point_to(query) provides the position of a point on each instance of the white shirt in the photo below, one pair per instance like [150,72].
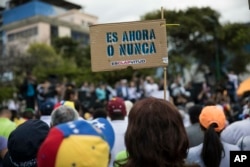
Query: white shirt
[233,78]
[120,127]
[194,154]
[233,132]
[124,91]
[150,89]
[132,94]
[46,119]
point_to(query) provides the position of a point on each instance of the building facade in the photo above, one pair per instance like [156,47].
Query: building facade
[28,21]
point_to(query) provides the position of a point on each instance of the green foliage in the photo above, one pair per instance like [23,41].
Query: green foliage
[81,58]
[43,60]
[42,55]
[6,92]
[48,62]
[236,36]
[65,46]
[201,38]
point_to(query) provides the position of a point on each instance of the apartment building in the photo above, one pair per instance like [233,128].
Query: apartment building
[28,21]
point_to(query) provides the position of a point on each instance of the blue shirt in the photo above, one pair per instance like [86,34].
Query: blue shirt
[3,145]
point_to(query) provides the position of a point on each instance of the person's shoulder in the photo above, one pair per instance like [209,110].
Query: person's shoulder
[228,146]
[11,124]
[193,127]
[237,124]
[234,131]
[195,149]
[241,122]
[19,121]
[194,155]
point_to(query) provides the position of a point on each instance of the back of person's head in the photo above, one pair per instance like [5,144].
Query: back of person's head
[128,105]
[5,112]
[46,108]
[116,108]
[78,106]
[77,143]
[24,142]
[63,114]
[99,113]
[69,94]
[155,134]
[213,121]
[28,113]
[194,113]
[14,114]
[210,102]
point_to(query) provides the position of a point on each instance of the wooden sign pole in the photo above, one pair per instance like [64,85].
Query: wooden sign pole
[164,68]
[165,60]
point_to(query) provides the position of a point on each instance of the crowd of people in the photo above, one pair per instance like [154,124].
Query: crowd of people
[125,125]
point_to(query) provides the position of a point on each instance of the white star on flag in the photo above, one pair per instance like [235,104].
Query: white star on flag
[98,124]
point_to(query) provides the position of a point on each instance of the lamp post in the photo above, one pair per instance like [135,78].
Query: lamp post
[217,60]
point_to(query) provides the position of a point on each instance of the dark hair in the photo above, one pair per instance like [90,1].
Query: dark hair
[28,113]
[194,113]
[68,94]
[155,135]
[4,109]
[100,113]
[212,150]
[117,116]
[210,103]
[78,106]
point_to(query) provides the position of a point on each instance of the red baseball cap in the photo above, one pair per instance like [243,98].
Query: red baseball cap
[116,105]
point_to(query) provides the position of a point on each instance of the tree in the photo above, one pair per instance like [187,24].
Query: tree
[72,51]
[202,39]
[235,39]
[45,61]
[42,55]
[66,47]
[7,86]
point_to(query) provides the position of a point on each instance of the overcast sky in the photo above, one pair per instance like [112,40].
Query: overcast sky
[109,11]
